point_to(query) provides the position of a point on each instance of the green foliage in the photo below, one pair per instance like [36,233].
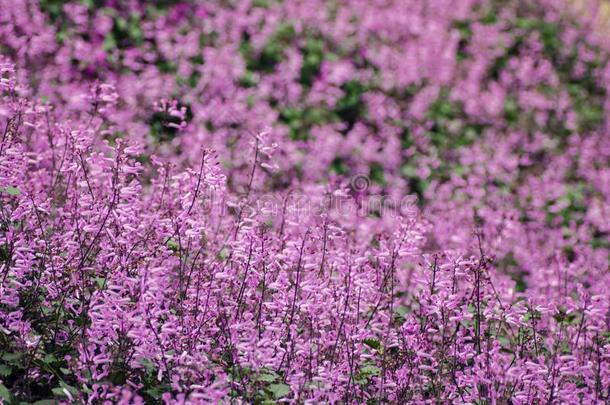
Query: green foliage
[159,124]
[249,79]
[572,206]
[351,107]
[446,114]
[153,389]
[127,32]
[279,390]
[465,31]
[313,54]
[272,53]
[65,391]
[10,190]
[417,185]
[159,129]
[601,240]
[49,359]
[5,394]
[376,173]
[268,377]
[54,8]
[261,3]
[366,373]
[511,110]
[372,343]
[339,166]
[585,92]
[300,121]
[587,102]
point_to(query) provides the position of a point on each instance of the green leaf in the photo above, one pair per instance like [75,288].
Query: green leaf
[376,173]
[12,190]
[370,370]
[148,364]
[266,377]
[69,388]
[154,392]
[373,343]
[260,3]
[279,390]
[173,245]
[58,391]
[339,166]
[409,170]
[63,388]
[100,281]
[223,254]
[49,358]
[5,393]
[109,43]
[5,371]
[12,357]
[504,341]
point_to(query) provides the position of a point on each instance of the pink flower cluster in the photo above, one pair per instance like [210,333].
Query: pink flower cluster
[311,201]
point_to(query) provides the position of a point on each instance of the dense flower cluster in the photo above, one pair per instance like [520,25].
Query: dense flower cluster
[304,201]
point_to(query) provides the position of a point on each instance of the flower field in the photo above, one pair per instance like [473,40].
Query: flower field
[308,201]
